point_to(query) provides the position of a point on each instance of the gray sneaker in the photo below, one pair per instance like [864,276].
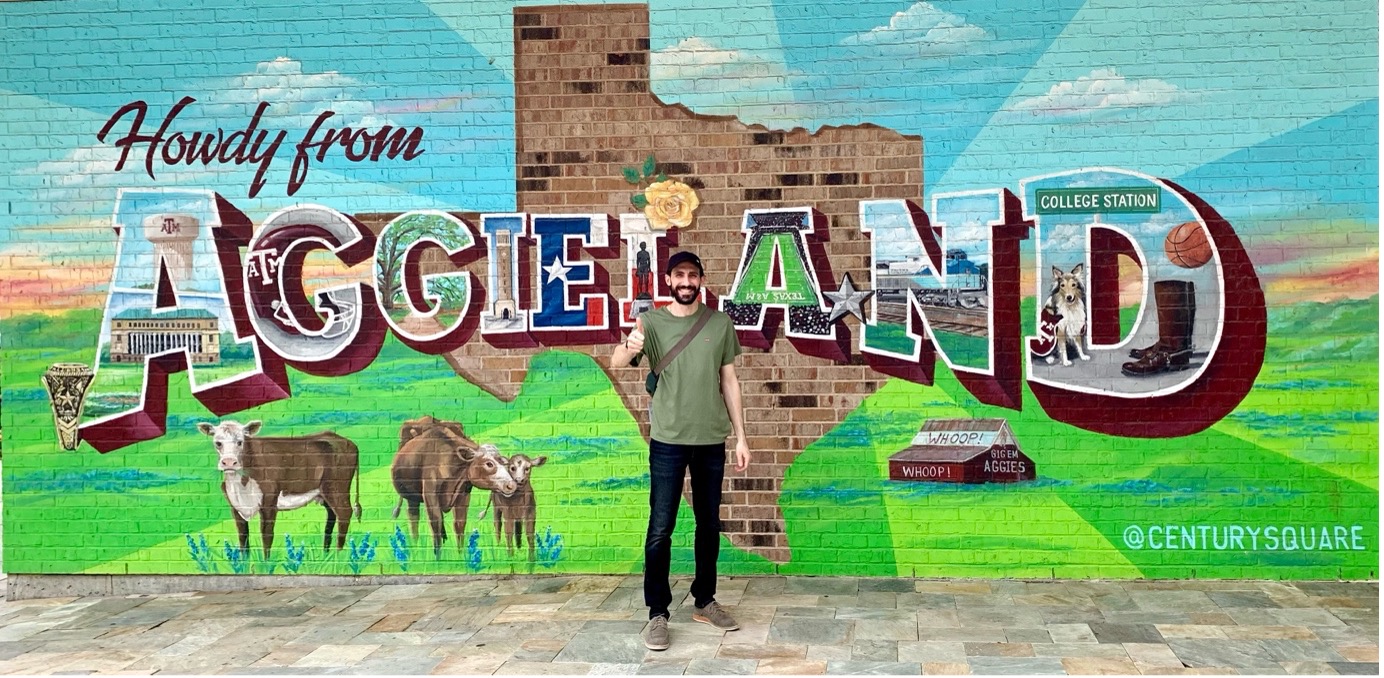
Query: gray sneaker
[656,636]
[715,615]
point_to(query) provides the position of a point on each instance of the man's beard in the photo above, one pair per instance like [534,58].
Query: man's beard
[692,294]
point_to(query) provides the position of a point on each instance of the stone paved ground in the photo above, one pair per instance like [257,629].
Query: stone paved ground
[796,625]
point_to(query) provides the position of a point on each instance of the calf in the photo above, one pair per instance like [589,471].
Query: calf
[438,465]
[517,513]
[267,475]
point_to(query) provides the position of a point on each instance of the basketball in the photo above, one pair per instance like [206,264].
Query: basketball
[1187,246]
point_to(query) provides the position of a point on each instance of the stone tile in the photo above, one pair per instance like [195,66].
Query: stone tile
[400,638]
[878,599]
[1151,655]
[284,656]
[684,647]
[1301,650]
[1242,599]
[595,584]
[970,587]
[999,650]
[1359,653]
[946,668]
[925,651]
[886,629]
[1304,617]
[938,619]
[1027,636]
[525,630]
[926,601]
[538,650]
[813,612]
[414,666]
[822,586]
[762,585]
[749,633]
[875,650]
[97,661]
[612,626]
[1017,666]
[603,648]
[759,651]
[1350,614]
[793,667]
[1308,668]
[1068,614]
[1147,617]
[781,600]
[1189,631]
[614,669]
[867,668]
[893,585]
[1355,669]
[790,631]
[1176,601]
[969,600]
[1258,632]
[1239,654]
[1346,635]
[335,655]
[973,634]
[1089,650]
[1126,633]
[829,652]
[517,668]
[1000,616]
[878,613]
[1070,633]
[1098,666]
[527,613]
[1210,619]
[655,668]
[721,667]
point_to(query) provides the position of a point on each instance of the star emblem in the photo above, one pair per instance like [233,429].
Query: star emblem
[556,271]
[847,299]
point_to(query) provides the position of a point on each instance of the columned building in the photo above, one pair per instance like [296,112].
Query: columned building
[138,333]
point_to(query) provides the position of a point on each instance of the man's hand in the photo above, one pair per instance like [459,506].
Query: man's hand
[635,342]
[627,350]
[742,454]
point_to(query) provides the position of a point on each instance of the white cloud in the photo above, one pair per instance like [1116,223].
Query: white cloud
[697,58]
[1101,92]
[925,30]
[295,97]
[710,79]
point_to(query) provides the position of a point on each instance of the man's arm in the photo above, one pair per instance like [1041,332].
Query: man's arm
[632,346]
[730,392]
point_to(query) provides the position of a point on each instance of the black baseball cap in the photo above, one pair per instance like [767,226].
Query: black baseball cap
[684,258]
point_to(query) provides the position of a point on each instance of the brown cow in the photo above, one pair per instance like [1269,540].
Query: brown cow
[518,512]
[267,475]
[438,465]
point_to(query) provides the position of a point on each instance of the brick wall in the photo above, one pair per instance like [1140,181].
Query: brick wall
[583,111]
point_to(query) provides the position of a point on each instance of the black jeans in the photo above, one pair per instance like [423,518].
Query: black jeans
[668,464]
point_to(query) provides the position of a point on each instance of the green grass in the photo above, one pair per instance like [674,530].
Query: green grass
[1300,450]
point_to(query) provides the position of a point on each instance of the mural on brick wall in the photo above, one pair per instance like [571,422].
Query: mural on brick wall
[1012,304]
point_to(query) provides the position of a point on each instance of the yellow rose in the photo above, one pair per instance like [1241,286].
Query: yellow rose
[671,203]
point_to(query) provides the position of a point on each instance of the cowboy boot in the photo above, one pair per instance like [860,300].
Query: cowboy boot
[1177,309]
[1138,353]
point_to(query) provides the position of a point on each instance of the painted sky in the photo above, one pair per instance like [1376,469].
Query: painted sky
[1277,132]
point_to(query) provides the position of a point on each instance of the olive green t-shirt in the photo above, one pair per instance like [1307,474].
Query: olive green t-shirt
[688,408]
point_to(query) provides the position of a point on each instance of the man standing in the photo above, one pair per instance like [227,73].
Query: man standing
[696,405]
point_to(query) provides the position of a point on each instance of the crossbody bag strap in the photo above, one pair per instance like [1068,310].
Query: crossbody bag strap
[682,343]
